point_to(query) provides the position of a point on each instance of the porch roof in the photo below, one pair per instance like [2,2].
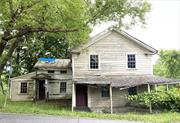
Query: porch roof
[126,80]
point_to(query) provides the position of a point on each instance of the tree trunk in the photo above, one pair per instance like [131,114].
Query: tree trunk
[7,56]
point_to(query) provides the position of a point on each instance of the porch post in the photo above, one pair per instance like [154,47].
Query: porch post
[155,86]
[34,90]
[167,87]
[46,89]
[111,99]
[73,96]
[150,106]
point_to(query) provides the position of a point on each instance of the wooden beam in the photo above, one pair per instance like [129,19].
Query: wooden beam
[111,98]
[150,105]
[167,87]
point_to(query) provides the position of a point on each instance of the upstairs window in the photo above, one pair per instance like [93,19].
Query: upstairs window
[104,92]
[132,90]
[50,71]
[23,88]
[63,71]
[94,62]
[63,87]
[131,60]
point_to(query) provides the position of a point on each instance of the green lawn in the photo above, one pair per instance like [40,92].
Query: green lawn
[45,108]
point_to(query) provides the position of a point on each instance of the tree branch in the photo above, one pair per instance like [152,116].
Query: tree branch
[9,54]
[23,31]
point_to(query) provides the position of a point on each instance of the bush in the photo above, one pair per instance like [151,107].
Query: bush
[169,100]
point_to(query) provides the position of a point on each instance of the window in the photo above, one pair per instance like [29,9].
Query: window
[63,87]
[50,71]
[131,60]
[23,88]
[104,92]
[132,91]
[94,63]
[63,71]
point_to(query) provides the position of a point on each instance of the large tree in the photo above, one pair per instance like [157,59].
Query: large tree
[168,64]
[21,18]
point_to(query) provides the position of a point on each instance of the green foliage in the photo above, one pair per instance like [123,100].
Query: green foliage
[54,109]
[35,47]
[161,99]
[17,16]
[168,64]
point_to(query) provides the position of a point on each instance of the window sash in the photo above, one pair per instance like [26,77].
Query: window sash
[131,58]
[105,92]
[63,87]
[94,62]
[23,87]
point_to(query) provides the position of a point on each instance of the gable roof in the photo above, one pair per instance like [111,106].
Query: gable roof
[105,33]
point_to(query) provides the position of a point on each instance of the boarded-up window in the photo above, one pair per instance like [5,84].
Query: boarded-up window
[94,62]
[23,88]
[63,87]
[131,60]
[104,92]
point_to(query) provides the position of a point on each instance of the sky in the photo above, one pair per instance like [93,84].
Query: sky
[162,30]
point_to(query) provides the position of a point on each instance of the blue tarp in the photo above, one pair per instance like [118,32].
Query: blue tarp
[47,59]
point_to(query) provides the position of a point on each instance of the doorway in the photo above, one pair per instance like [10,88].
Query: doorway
[81,96]
[41,92]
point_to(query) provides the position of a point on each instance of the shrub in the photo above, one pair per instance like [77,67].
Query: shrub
[169,100]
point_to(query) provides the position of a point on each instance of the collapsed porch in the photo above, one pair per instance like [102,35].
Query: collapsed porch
[121,83]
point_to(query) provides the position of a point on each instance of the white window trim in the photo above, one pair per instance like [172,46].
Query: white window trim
[20,88]
[134,53]
[98,62]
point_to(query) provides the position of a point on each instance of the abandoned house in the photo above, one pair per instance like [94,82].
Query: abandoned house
[99,75]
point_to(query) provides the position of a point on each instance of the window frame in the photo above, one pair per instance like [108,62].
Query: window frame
[20,88]
[131,53]
[106,93]
[90,61]
[133,93]
[60,89]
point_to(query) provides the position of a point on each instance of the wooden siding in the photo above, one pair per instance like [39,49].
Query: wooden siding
[57,74]
[54,89]
[95,101]
[15,91]
[112,51]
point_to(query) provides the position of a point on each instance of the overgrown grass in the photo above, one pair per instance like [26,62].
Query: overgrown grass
[49,109]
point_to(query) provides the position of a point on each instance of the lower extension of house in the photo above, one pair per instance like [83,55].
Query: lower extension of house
[99,76]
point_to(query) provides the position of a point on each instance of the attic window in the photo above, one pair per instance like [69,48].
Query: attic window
[131,60]
[50,71]
[63,71]
[94,62]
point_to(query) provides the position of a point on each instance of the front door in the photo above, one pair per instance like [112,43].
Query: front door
[41,89]
[81,96]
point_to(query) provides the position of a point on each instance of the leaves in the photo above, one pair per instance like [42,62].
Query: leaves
[163,99]
[168,64]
